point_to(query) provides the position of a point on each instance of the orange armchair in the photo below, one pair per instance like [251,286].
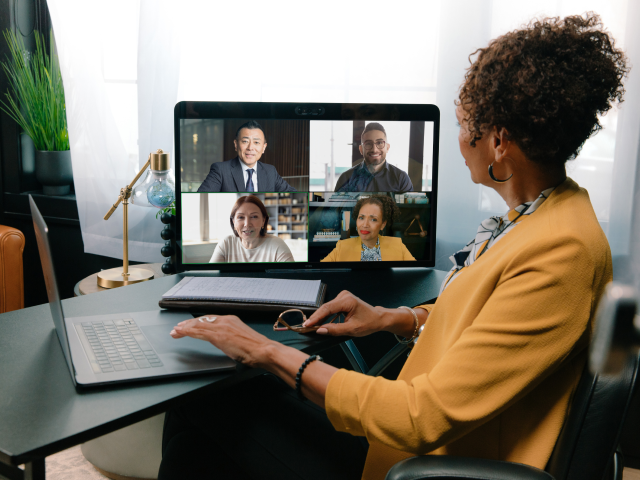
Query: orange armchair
[11,272]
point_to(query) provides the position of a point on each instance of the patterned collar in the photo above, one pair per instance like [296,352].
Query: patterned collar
[489,233]
[370,254]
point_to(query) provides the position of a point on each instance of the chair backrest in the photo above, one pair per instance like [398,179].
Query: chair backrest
[11,269]
[591,432]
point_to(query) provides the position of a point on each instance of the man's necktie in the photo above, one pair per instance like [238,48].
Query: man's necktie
[249,181]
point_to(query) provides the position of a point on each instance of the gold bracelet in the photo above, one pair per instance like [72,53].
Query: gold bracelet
[407,341]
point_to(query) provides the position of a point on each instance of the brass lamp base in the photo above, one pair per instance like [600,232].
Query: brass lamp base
[113,278]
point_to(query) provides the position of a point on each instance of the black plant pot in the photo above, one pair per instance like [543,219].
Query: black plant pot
[54,172]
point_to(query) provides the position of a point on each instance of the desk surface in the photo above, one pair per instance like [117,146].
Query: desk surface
[41,411]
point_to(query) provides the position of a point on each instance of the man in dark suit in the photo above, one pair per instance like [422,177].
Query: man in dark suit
[244,173]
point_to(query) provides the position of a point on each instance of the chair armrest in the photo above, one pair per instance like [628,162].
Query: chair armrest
[443,467]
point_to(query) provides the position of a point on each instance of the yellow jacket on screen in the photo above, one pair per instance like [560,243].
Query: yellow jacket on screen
[494,370]
[350,250]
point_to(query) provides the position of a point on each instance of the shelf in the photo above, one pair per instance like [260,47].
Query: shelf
[332,204]
[352,204]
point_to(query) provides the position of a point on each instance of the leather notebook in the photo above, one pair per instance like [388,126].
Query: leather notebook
[230,295]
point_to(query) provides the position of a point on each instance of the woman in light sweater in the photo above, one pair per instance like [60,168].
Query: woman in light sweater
[500,353]
[250,242]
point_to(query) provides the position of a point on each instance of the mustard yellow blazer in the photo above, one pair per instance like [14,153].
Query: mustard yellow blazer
[350,250]
[494,370]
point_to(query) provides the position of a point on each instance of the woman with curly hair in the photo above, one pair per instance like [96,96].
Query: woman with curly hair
[497,358]
[373,214]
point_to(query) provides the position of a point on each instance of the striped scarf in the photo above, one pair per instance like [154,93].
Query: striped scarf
[489,233]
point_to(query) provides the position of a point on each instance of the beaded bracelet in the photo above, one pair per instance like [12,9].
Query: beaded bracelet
[416,331]
[299,375]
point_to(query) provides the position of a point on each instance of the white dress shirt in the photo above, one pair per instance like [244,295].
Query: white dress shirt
[254,175]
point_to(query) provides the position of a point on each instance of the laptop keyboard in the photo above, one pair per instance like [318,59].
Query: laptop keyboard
[116,345]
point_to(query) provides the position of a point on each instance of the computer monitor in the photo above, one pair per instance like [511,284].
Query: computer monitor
[305,185]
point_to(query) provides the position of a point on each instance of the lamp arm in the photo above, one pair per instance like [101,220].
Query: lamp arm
[128,189]
[142,170]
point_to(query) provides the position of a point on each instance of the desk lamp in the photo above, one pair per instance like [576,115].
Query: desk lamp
[156,190]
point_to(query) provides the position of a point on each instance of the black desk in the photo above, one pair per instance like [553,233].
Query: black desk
[41,412]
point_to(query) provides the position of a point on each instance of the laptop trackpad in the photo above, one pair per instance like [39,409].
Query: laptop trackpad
[163,343]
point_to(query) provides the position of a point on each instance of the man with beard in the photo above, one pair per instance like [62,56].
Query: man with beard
[374,173]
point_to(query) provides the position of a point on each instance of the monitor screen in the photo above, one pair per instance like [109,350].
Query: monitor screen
[286,185]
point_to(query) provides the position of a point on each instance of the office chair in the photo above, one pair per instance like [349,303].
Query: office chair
[587,448]
[11,269]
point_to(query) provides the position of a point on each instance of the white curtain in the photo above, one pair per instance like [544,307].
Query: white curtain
[125,64]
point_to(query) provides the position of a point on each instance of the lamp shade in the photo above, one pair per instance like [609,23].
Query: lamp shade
[156,190]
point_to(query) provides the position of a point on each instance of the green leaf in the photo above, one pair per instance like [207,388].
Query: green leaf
[35,99]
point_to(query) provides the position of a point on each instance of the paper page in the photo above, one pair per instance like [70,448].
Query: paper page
[267,290]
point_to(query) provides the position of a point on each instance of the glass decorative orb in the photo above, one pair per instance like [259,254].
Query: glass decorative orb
[160,194]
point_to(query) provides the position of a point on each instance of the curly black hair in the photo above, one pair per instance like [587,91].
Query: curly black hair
[390,210]
[545,84]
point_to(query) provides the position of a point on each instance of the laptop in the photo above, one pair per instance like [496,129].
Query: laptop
[124,347]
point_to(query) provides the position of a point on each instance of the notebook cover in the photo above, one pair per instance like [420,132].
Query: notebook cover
[238,308]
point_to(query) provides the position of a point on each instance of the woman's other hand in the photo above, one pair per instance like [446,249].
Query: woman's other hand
[230,334]
[363,319]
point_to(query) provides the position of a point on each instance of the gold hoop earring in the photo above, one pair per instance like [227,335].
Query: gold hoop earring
[497,180]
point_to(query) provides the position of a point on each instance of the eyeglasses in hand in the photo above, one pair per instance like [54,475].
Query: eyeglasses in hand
[293,320]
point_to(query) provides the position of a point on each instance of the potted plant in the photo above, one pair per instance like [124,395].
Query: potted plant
[35,101]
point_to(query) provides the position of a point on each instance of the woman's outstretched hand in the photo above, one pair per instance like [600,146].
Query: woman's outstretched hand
[243,344]
[360,318]
[230,334]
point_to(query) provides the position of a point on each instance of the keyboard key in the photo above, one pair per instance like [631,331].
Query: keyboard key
[139,355]
[120,367]
[131,365]
[143,364]
[156,363]
[105,369]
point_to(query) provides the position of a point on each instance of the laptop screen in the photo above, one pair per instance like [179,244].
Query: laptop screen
[304,186]
[53,294]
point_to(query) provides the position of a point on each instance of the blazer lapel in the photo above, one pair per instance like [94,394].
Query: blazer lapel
[264,184]
[238,176]
[355,250]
